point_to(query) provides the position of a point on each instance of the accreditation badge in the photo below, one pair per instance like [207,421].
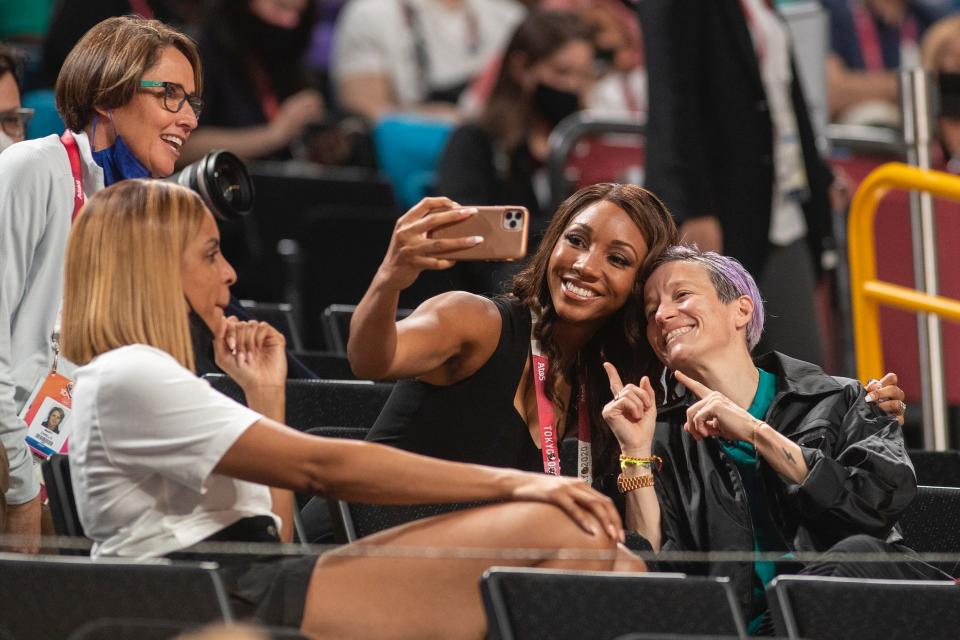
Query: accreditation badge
[47,415]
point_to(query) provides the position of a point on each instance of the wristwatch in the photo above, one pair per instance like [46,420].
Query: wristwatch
[633,483]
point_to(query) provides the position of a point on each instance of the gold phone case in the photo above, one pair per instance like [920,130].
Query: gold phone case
[504,230]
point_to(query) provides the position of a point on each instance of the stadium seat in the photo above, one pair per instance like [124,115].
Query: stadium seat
[408,149]
[137,629]
[318,403]
[63,506]
[315,510]
[936,468]
[818,608]
[280,315]
[932,523]
[355,520]
[336,325]
[326,364]
[528,604]
[49,597]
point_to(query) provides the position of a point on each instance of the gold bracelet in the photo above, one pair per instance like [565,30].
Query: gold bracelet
[631,461]
[625,485]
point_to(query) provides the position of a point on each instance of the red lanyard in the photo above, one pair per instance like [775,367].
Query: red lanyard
[549,443]
[73,153]
[870,39]
[265,93]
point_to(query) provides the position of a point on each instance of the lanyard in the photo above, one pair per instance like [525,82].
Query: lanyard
[73,153]
[549,445]
[869,37]
[265,93]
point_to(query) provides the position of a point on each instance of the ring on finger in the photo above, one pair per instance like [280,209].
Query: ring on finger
[903,407]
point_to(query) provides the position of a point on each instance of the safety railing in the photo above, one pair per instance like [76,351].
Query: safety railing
[868,292]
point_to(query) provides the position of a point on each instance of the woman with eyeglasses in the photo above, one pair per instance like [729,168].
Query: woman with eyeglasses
[13,117]
[129,95]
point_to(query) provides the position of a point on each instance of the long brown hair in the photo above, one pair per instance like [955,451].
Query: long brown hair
[621,340]
[539,36]
[123,282]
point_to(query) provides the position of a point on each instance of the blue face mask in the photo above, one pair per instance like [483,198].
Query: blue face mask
[117,161]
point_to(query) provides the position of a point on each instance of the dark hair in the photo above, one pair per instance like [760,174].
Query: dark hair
[539,36]
[105,67]
[11,61]
[621,340]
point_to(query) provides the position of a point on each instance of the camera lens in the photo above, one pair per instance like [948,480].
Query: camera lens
[513,224]
[222,181]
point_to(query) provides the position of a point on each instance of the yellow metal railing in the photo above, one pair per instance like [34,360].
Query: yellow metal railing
[867,292]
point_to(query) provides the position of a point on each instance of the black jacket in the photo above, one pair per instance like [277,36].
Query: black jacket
[709,132]
[860,478]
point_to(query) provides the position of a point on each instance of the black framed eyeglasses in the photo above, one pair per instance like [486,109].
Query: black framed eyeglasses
[14,121]
[174,95]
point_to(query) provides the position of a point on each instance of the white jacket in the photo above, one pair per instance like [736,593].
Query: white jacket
[36,202]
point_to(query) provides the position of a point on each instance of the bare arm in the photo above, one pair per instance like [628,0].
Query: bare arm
[370,95]
[252,353]
[632,415]
[296,112]
[441,329]
[275,455]
[847,87]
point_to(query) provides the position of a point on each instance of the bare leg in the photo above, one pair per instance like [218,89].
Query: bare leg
[391,597]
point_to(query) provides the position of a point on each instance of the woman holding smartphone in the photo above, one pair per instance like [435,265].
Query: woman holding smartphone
[469,388]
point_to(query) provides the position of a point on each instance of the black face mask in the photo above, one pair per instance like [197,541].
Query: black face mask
[554,104]
[606,56]
[949,94]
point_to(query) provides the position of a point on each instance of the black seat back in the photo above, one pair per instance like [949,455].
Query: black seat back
[49,597]
[526,604]
[836,608]
[336,325]
[355,520]
[320,403]
[936,468]
[63,505]
[326,364]
[932,523]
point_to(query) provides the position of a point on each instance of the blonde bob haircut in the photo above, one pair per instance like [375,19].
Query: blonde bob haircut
[104,69]
[123,282]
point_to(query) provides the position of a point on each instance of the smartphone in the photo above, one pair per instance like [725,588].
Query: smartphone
[504,230]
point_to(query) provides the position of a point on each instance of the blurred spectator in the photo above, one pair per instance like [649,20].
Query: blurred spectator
[24,22]
[319,58]
[731,151]
[13,118]
[621,86]
[73,18]
[258,100]
[500,158]
[416,55]
[871,40]
[940,56]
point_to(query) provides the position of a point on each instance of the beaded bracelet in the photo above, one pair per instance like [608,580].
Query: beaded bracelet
[631,461]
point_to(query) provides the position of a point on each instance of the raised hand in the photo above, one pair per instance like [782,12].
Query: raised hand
[888,396]
[714,414]
[631,414]
[412,250]
[250,352]
[593,511]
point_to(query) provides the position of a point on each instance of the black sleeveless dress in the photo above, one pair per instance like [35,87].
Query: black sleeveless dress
[475,419]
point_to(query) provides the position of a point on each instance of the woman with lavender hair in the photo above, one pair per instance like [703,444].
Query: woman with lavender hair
[773,456]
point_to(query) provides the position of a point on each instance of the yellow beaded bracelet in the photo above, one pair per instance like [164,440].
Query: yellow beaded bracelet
[631,461]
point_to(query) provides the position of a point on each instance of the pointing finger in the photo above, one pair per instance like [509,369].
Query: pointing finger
[698,389]
[615,383]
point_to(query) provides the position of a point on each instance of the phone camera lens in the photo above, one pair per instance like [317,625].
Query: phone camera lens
[513,224]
